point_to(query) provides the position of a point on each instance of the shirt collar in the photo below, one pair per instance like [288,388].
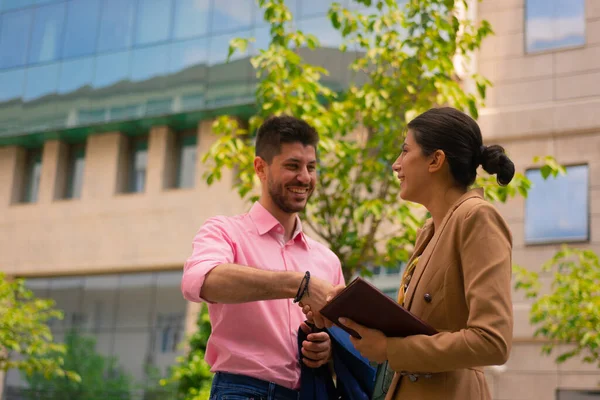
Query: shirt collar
[265,222]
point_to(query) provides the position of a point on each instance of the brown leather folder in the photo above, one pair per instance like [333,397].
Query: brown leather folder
[363,303]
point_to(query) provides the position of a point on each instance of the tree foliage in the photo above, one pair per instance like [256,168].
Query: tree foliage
[191,378]
[569,314]
[101,377]
[405,64]
[26,342]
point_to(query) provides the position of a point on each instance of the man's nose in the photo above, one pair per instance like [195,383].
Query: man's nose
[304,176]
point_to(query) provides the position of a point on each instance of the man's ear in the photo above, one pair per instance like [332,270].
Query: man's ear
[260,167]
[437,160]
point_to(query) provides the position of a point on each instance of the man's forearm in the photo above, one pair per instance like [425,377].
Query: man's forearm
[232,283]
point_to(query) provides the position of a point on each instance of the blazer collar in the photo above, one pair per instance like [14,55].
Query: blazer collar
[431,237]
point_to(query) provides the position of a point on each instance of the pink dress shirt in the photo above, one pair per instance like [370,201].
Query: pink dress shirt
[257,339]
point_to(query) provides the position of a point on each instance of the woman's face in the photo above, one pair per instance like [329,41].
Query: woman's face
[412,169]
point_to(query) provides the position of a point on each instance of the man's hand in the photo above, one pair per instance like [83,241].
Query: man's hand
[310,314]
[316,298]
[316,349]
[373,344]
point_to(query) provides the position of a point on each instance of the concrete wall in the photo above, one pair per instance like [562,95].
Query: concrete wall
[541,104]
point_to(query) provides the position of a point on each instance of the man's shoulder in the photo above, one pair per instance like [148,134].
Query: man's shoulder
[226,223]
[320,247]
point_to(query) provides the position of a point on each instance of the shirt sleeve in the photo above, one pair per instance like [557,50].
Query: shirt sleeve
[485,246]
[212,246]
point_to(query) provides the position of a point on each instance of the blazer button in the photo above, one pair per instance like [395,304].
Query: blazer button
[427,297]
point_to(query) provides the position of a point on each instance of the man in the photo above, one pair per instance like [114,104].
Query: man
[252,268]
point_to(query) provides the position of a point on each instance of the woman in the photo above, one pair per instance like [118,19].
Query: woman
[458,279]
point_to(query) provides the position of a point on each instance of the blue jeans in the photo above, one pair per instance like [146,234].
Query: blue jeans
[239,387]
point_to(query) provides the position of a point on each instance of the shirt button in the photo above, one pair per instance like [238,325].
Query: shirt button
[427,297]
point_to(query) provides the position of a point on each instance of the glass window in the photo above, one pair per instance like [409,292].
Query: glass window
[259,13]
[47,33]
[111,68]
[188,54]
[228,83]
[153,21]
[228,19]
[136,298]
[138,164]
[12,4]
[159,106]
[75,74]
[554,24]
[68,294]
[41,81]
[219,48]
[99,301]
[262,39]
[116,26]
[310,8]
[11,84]
[557,209]
[186,160]
[39,286]
[75,168]
[149,62]
[321,27]
[191,18]
[14,37]
[81,34]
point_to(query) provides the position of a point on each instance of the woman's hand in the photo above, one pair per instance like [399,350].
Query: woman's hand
[373,343]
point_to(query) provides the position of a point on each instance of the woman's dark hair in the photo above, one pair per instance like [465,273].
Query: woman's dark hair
[459,137]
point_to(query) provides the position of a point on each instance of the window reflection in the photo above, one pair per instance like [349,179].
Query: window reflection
[31,178]
[151,317]
[191,18]
[11,84]
[228,83]
[116,26]
[13,4]
[138,163]
[149,62]
[309,8]
[227,18]
[41,81]
[136,296]
[14,37]
[153,21]
[111,68]
[188,54]
[219,48]
[47,33]
[81,28]
[186,157]
[557,209]
[554,24]
[75,74]
[321,27]
[262,39]
[75,169]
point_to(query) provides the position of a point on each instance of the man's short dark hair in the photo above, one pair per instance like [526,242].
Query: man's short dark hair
[283,129]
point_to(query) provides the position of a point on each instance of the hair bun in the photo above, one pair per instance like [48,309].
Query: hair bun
[495,161]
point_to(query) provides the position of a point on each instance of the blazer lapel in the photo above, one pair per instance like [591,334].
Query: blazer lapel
[430,247]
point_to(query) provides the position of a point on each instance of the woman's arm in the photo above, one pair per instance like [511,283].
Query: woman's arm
[485,245]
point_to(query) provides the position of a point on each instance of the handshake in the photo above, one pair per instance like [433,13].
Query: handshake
[316,294]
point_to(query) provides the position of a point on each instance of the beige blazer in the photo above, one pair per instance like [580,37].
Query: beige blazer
[462,287]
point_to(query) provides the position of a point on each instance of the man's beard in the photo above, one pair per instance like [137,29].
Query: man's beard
[278,195]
